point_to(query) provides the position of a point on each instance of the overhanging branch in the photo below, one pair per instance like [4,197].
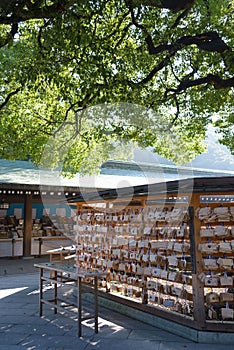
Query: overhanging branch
[153,72]
[216,80]
[15,11]
[3,104]
[209,41]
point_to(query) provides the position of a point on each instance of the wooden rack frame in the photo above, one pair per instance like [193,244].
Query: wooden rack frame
[61,274]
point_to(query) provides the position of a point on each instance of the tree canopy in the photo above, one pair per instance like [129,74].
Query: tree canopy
[82,79]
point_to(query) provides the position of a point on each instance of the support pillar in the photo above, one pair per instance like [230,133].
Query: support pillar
[27,225]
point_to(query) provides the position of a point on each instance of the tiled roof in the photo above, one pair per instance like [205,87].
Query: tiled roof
[114,174]
[26,173]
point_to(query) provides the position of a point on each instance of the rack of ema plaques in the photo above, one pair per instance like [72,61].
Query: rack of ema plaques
[174,261]
[11,237]
[51,233]
[215,252]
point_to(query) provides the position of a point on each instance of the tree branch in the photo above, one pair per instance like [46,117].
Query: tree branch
[153,72]
[209,41]
[10,35]
[173,5]
[8,98]
[217,81]
[177,114]
[15,11]
[39,37]
[180,17]
[134,21]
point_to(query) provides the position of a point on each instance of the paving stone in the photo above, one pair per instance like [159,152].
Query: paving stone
[35,341]
[107,344]
[9,338]
[12,347]
[17,311]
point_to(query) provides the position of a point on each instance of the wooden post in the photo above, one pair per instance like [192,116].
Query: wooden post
[41,291]
[96,303]
[56,290]
[27,225]
[79,306]
[13,247]
[198,286]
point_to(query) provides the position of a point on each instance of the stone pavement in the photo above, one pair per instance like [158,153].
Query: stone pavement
[21,328]
[18,265]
